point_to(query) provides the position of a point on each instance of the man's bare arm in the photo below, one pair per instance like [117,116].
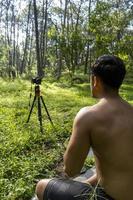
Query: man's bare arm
[79,144]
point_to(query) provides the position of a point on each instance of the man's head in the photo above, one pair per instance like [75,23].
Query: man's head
[108,73]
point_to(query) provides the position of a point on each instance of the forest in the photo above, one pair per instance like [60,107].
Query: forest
[54,42]
[46,37]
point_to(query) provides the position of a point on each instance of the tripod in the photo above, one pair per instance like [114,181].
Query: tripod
[39,98]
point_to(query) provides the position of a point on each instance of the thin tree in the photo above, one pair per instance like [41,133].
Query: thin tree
[25,54]
[39,66]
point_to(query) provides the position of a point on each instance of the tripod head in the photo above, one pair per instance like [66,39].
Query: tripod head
[37,80]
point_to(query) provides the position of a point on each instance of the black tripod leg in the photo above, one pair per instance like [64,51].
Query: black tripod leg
[46,111]
[31,109]
[40,114]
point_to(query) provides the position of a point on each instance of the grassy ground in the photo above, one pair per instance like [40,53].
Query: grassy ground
[25,153]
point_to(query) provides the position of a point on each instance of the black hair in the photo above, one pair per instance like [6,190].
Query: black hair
[111,70]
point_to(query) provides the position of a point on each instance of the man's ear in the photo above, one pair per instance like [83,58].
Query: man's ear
[97,81]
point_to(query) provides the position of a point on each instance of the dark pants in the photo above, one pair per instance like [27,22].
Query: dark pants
[67,189]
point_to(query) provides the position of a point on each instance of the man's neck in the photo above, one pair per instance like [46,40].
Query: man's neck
[111,94]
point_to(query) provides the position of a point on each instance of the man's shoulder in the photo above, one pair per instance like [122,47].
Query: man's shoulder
[89,109]
[87,114]
[85,110]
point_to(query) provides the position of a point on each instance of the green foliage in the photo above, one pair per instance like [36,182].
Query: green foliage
[72,35]
[108,25]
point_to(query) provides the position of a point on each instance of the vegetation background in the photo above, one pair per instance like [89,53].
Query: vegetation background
[58,42]
[51,37]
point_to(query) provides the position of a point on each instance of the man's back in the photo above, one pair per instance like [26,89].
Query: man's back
[112,143]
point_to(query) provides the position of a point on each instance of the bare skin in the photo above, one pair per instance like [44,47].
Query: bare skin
[107,127]
[111,133]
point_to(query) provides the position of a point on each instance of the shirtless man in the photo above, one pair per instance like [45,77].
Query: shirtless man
[107,127]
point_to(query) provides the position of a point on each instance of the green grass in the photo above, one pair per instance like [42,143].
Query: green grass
[25,153]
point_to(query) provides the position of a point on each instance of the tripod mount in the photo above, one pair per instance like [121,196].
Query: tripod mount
[40,101]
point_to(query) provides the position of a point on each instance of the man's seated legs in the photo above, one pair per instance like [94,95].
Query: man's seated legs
[68,189]
[40,188]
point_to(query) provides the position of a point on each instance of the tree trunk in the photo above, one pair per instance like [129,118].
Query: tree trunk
[39,67]
[88,42]
[44,42]
[24,59]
